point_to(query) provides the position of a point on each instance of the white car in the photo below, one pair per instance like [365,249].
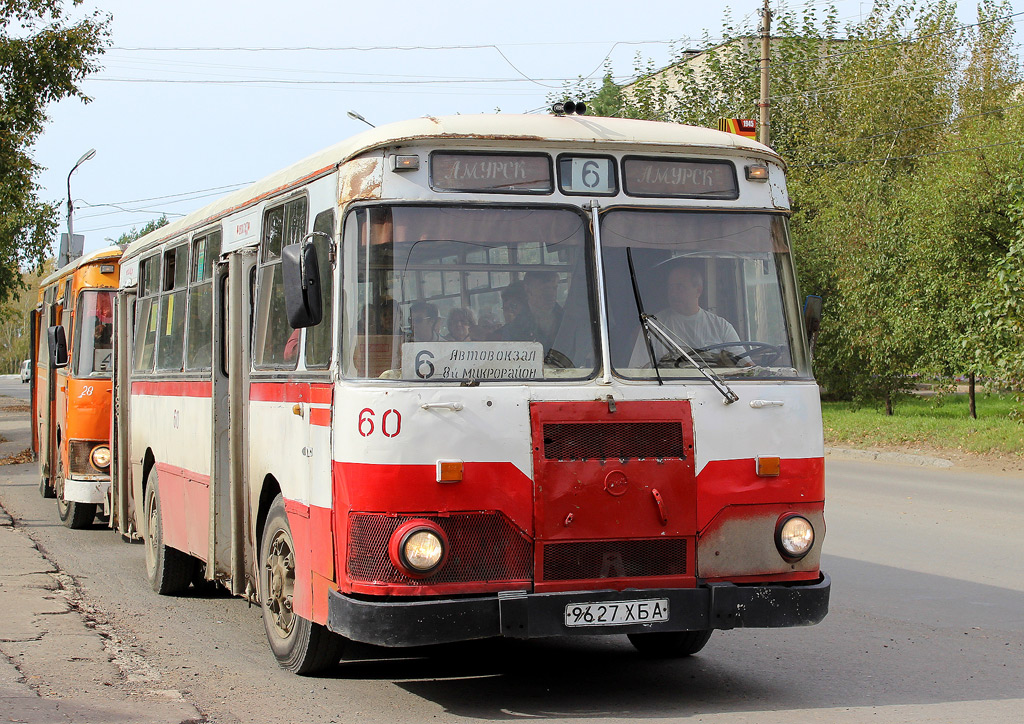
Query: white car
[26,370]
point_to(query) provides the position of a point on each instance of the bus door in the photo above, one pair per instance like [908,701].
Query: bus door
[46,395]
[123,517]
[231,544]
[33,326]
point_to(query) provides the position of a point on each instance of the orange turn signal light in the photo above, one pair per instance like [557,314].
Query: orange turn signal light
[768,467]
[449,471]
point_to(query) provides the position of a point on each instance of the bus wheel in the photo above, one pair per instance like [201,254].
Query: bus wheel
[669,644]
[169,570]
[73,515]
[301,646]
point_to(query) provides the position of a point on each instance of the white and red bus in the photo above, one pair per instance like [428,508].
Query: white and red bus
[445,381]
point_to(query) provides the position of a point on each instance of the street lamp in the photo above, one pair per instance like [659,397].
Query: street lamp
[356,117]
[71,208]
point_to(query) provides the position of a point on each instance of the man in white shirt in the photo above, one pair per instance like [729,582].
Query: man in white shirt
[694,326]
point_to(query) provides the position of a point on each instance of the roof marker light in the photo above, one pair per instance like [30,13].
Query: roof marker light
[405,163]
[757,173]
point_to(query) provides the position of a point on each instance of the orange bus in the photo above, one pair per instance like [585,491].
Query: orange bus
[71,385]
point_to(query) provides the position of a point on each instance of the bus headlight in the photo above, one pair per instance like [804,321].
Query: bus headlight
[794,537]
[418,548]
[100,457]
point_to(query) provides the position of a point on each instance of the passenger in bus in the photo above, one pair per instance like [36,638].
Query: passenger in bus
[460,324]
[542,298]
[102,334]
[516,312]
[425,322]
[695,326]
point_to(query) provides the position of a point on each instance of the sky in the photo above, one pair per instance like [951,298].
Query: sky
[176,124]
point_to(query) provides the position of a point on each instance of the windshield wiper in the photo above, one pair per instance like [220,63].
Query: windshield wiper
[651,326]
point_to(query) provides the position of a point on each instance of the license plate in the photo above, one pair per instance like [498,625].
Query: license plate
[616,613]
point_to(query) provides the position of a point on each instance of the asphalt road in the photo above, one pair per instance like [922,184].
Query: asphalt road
[926,625]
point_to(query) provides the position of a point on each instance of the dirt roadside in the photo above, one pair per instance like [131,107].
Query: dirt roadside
[60,659]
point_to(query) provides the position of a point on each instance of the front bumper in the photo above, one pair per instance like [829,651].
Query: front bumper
[518,614]
[86,491]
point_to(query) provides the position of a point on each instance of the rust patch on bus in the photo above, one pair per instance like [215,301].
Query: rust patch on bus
[361,179]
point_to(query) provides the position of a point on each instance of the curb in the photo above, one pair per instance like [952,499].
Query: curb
[883,456]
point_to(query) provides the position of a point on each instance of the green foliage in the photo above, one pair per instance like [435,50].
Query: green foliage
[130,236]
[903,132]
[43,58]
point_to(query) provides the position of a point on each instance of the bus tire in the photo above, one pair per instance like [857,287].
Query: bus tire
[76,516]
[300,645]
[669,644]
[169,570]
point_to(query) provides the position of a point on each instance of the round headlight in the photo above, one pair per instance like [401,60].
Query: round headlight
[100,457]
[418,548]
[422,550]
[794,537]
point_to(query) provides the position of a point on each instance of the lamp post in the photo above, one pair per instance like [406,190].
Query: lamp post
[71,207]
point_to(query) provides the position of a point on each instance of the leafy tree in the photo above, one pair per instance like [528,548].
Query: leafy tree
[43,58]
[14,331]
[901,135]
[130,236]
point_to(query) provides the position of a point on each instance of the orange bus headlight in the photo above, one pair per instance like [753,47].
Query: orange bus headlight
[794,537]
[100,457]
[418,548]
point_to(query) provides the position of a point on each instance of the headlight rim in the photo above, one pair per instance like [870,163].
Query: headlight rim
[787,555]
[396,547]
[92,457]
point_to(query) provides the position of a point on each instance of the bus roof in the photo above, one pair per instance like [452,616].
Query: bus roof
[109,252]
[484,129]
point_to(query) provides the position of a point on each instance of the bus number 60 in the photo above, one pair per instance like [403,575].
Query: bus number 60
[390,422]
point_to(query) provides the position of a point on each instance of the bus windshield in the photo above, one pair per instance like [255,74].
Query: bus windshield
[721,284]
[93,328]
[468,294]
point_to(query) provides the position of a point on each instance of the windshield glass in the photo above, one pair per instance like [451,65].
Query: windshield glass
[721,284]
[94,325]
[435,294]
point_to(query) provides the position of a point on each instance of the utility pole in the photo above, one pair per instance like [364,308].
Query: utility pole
[763,123]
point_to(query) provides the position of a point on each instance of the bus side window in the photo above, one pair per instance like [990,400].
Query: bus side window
[276,343]
[199,353]
[171,332]
[319,338]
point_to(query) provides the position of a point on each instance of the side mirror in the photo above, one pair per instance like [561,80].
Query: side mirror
[57,339]
[812,314]
[300,272]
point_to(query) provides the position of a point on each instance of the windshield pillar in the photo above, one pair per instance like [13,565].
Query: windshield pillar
[602,304]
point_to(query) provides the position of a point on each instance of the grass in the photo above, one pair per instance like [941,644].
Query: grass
[934,423]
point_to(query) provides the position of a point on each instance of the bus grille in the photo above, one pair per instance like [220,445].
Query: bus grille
[79,452]
[484,547]
[609,440]
[580,560]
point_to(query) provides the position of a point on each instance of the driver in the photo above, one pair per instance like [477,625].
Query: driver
[695,326]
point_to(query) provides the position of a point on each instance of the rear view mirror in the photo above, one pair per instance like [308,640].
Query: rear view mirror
[812,314]
[57,340]
[300,272]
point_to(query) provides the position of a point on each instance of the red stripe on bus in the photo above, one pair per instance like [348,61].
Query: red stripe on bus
[175,388]
[321,394]
[290,392]
[320,416]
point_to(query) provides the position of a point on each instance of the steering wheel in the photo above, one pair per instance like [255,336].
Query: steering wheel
[765,353]
[557,359]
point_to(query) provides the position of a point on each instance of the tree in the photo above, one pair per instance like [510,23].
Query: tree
[43,58]
[129,236]
[14,330]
